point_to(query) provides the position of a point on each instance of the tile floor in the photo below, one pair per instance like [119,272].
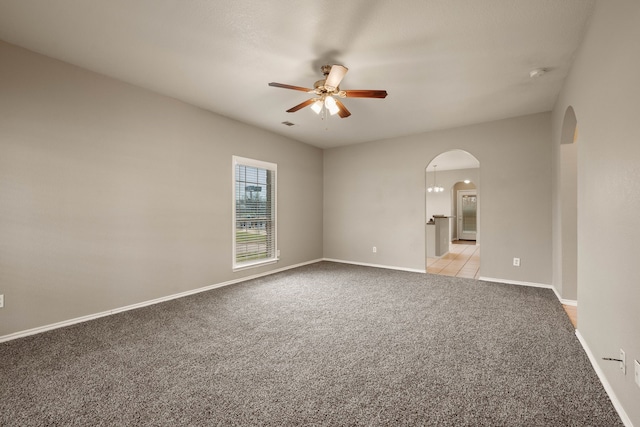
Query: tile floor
[461,261]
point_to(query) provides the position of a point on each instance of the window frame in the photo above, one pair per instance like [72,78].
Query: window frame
[272,167]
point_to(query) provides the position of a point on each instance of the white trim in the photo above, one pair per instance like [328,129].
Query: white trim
[81,319]
[562,300]
[254,163]
[515,282]
[571,302]
[532,284]
[603,379]
[365,264]
[254,264]
[273,167]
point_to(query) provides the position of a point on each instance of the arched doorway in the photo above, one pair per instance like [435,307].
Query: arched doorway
[452,207]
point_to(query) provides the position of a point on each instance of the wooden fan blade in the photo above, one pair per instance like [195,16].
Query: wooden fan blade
[342,112]
[366,93]
[303,89]
[301,105]
[335,76]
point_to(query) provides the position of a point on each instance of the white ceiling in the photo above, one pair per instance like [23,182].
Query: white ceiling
[444,63]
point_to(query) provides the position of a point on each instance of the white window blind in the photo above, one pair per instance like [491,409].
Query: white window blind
[254,212]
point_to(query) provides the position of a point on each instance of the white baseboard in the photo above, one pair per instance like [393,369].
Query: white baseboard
[563,300]
[532,284]
[566,301]
[365,264]
[605,383]
[515,282]
[81,319]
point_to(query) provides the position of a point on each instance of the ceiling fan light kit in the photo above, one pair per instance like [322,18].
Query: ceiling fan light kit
[330,104]
[326,91]
[317,106]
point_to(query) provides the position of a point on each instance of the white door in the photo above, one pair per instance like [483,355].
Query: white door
[467,214]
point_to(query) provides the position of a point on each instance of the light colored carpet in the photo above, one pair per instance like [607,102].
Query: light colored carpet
[325,344]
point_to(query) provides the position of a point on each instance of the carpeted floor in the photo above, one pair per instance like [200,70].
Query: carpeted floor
[325,344]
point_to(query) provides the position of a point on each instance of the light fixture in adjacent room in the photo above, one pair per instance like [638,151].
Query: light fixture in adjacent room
[466,181]
[435,188]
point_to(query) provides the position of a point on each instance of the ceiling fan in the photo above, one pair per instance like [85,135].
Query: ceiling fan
[326,91]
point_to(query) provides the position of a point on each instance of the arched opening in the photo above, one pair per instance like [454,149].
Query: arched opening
[452,214]
[568,204]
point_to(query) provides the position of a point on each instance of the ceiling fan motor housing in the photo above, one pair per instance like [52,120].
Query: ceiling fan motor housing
[321,89]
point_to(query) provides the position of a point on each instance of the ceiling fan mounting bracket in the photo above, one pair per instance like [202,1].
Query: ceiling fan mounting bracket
[326,69]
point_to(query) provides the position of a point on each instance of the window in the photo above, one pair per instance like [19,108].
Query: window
[254,213]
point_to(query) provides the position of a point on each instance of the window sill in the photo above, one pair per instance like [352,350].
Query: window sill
[255,264]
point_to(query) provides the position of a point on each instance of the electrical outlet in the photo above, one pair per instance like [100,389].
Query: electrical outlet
[278,253]
[623,363]
[375,249]
[1,300]
[636,372]
[516,262]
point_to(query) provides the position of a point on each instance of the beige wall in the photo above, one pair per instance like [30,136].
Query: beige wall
[603,90]
[569,221]
[111,195]
[565,207]
[374,195]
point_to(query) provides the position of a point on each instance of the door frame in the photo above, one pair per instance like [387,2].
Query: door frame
[459,194]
